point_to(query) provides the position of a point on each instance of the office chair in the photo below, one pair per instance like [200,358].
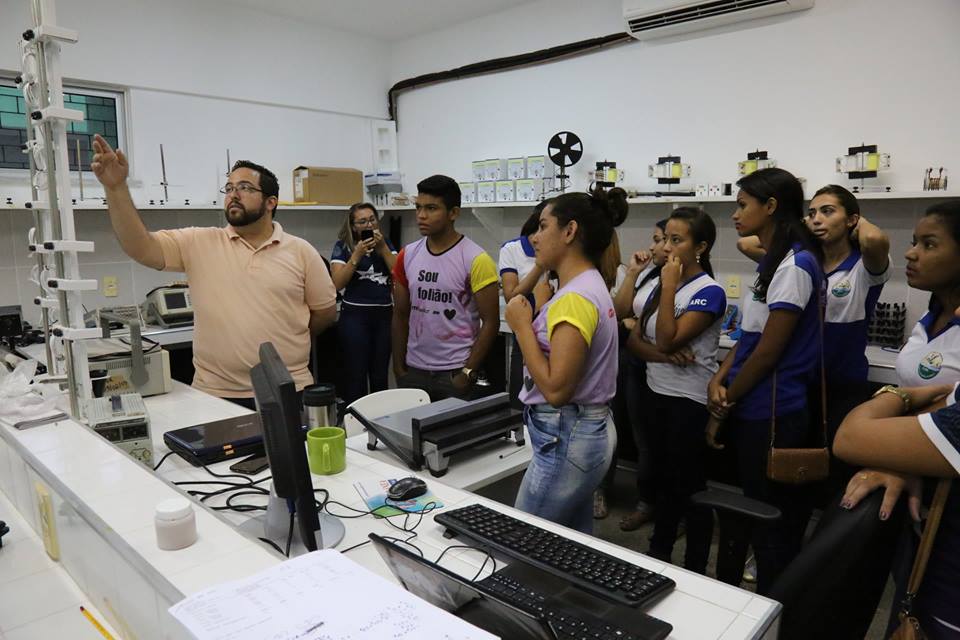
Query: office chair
[831,589]
[380,403]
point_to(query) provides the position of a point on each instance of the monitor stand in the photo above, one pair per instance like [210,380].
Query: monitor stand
[275,526]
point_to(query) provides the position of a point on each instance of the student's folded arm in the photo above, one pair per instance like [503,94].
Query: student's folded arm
[642,349]
[557,377]
[876,435]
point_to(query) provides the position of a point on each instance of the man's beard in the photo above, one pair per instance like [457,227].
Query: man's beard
[245,218]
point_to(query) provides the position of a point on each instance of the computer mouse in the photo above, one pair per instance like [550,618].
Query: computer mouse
[407,489]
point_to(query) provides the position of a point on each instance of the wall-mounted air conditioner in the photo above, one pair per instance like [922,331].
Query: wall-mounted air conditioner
[649,19]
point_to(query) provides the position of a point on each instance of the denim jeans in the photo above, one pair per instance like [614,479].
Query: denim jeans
[572,448]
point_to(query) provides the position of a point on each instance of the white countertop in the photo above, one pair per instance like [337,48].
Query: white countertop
[117,495]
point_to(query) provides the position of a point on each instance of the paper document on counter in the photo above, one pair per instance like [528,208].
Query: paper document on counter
[318,596]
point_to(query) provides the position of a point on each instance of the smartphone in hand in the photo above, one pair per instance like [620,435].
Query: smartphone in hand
[366,234]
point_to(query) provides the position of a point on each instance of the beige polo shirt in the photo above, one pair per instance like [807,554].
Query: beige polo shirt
[243,297]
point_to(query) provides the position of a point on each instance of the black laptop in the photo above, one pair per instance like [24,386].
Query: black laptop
[520,602]
[219,440]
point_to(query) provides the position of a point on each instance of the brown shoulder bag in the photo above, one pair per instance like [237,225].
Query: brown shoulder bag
[800,466]
[909,628]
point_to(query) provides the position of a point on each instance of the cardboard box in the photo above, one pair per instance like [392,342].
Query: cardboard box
[529,190]
[495,170]
[486,191]
[479,169]
[506,191]
[537,166]
[468,192]
[516,168]
[327,185]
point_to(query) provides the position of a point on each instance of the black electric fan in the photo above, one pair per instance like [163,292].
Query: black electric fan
[564,150]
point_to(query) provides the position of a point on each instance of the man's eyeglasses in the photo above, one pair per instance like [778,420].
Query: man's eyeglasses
[243,187]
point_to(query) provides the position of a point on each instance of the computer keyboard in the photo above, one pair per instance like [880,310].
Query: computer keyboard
[589,569]
[566,625]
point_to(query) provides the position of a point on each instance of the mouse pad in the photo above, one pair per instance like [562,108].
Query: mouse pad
[374,494]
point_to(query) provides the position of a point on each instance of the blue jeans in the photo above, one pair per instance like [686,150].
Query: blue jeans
[572,448]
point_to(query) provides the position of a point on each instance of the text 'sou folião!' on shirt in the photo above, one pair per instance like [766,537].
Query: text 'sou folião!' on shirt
[444,319]
[930,358]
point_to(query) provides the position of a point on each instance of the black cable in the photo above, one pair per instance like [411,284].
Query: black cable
[170,453]
[290,536]
[489,557]
[502,64]
[272,544]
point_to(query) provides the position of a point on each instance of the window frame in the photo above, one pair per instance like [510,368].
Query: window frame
[121,98]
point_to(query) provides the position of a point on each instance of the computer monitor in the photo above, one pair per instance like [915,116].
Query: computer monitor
[283,439]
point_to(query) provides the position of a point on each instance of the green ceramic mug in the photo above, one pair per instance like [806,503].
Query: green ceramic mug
[327,450]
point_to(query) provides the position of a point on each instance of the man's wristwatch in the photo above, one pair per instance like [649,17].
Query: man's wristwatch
[897,391]
[470,373]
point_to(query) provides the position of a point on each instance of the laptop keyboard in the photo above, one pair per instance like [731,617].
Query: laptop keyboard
[568,627]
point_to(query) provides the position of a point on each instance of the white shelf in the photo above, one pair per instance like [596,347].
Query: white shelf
[666,199]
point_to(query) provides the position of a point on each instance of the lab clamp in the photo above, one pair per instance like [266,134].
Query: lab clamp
[864,162]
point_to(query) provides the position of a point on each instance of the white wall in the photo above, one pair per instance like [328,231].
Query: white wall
[205,77]
[803,86]
[201,79]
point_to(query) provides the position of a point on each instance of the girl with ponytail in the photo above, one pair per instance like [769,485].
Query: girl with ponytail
[684,312]
[570,360]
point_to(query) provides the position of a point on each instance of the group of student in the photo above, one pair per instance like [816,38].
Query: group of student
[591,332]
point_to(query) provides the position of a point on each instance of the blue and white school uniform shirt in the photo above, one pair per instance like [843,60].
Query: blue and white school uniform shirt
[940,591]
[699,293]
[852,294]
[642,290]
[516,256]
[930,359]
[795,285]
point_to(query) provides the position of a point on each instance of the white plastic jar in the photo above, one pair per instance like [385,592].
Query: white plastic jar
[176,524]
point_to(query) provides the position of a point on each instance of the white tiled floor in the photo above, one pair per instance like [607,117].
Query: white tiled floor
[38,599]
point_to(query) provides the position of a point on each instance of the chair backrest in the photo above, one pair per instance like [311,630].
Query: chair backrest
[831,589]
[380,403]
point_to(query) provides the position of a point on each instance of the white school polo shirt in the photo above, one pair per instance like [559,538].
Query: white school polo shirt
[700,293]
[930,359]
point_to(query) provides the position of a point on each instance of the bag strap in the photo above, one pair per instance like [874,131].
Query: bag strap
[926,542]
[823,379]
[823,358]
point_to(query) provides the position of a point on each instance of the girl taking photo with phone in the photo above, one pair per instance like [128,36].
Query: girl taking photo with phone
[360,266]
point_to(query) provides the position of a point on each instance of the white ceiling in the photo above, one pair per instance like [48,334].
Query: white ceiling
[381,19]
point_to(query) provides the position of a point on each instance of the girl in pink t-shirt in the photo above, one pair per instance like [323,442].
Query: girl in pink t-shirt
[570,361]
